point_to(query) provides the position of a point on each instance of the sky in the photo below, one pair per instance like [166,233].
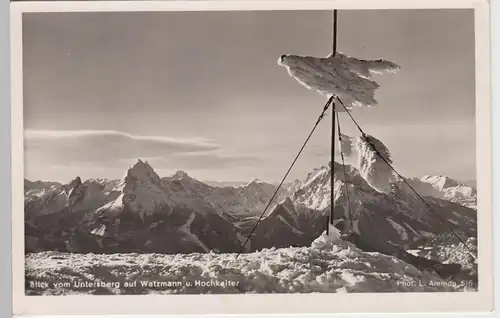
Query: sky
[202,92]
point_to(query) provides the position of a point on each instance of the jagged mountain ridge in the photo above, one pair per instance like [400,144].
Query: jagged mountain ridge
[143,212]
[39,185]
[383,221]
[446,188]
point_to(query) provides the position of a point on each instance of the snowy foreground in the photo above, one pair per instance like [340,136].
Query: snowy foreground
[325,267]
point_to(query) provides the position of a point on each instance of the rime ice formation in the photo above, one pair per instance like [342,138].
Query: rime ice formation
[339,75]
[345,144]
[371,166]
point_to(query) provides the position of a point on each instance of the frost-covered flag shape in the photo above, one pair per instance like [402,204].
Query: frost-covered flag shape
[337,74]
[345,144]
[372,167]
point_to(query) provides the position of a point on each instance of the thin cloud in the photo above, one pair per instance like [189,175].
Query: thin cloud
[99,146]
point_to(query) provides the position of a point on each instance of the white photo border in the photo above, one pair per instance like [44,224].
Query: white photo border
[480,301]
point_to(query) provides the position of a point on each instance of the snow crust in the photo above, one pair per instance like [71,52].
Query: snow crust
[324,239]
[333,266]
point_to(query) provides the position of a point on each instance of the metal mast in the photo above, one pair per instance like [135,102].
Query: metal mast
[332,155]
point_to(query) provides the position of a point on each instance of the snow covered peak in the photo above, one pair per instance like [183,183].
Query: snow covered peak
[141,166]
[442,182]
[75,182]
[101,180]
[258,187]
[446,188]
[314,191]
[255,181]
[180,175]
[74,186]
[321,176]
[141,171]
[140,191]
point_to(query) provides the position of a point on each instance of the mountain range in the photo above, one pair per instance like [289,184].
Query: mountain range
[142,212]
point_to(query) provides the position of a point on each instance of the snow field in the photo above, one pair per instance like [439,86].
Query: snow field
[333,267]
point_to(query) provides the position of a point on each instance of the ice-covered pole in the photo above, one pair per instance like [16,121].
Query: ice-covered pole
[332,172]
[332,155]
[334,49]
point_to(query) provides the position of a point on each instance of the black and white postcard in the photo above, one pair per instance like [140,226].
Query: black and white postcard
[251,157]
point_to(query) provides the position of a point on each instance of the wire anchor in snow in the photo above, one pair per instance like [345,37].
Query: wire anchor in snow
[325,108]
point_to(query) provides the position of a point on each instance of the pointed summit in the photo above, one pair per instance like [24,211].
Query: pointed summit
[180,175]
[141,193]
[255,181]
[75,182]
[141,171]
[75,191]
